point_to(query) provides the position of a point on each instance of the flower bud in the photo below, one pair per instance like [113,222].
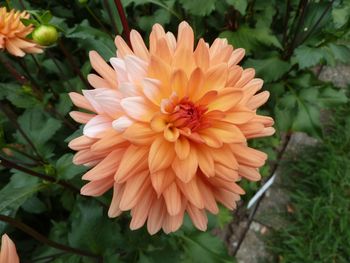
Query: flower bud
[45,35]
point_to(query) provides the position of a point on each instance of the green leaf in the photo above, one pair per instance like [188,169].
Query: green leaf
[269,69]
[13,197]
[92,229]
[34,205]
[330,96]
[251,38]
[65,169]
[340,52]
[198,7]
[38,126]
[20,96]
[205,248]
[341,14]
[240,5]
[307,56]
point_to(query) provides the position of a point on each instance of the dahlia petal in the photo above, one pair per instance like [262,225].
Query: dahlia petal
[201,55]
[102,68]
[158,69]
[234,74]
[239,115]
[161,155]
[236,56]
[226,173]
[159,123]
[183,59]
[172,223]
[138,45]
[8,252]
[250,173]
[109,141]
[161,180]
[132,159]
[141,210]
[186,169]
[178,82]
[172,198]
[118,191]
[215,78]
[122,123]
[139,133]
[171,133]
[80,101]
[251,128]
[81,117]
[222,56]
[198,217]
[13,49]
[135,67]
[248,156]
[265,132]
[191,191]
[120,69]
[104,101]
[258,100]
[224,184]
[156,216]
[81,143]
[151,90]
[182,148]
[106,167]
[163,50]
[208,197]
[122,47]
[185,37]
[247,75]
[171,40]
[97,187]
[97,125]
[226,99]
[98,82]
[226,198]
[135,187]
[128,89]
[225,156]
[156,33]
[265,120]
[205,161]
[86,156]
[137,108]
[216,48]
[195,84]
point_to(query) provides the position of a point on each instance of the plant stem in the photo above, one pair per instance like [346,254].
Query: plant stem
[71,62]
[285,23]
[11,165]
[41,238]
[317,22]
[13,119]
[109,11]
[98,20]
[125,24]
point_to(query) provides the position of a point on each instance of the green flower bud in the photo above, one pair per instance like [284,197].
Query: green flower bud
[45,35]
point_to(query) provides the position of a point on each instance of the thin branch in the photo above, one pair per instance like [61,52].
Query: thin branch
[317,22]
[72,63]
[41,238]
[13,119]
[285,23]
[125,24]
[11,165]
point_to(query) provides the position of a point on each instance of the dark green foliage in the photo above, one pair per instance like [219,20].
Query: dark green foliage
[281,42]
[319,181]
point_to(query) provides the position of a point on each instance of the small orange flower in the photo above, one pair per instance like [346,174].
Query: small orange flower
[13,33]
[8,253]
[167,128]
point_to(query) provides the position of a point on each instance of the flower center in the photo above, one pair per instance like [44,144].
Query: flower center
[187,114]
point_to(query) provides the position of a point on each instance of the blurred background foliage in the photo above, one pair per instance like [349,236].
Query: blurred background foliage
[287,42]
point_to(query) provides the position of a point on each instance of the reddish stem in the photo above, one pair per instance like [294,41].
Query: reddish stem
[125,24]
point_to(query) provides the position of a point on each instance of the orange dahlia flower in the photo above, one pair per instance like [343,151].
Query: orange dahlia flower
[13,33]
[8,253]
[167,128]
